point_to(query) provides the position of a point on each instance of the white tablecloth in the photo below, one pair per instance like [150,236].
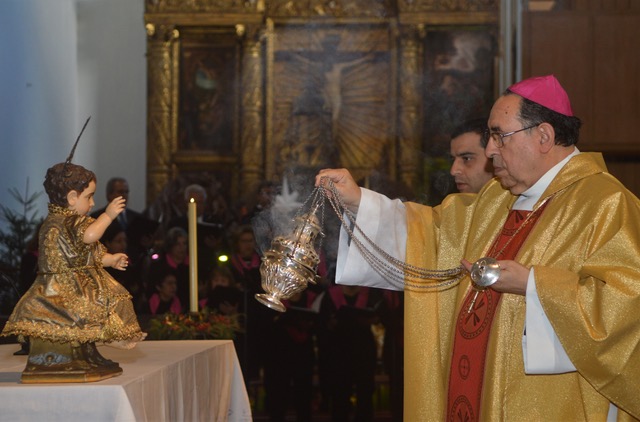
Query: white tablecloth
[162,381]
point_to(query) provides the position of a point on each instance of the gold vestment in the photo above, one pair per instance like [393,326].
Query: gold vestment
[585,252]
[73,298]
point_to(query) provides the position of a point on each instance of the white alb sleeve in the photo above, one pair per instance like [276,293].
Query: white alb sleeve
[383,220]
[542,350]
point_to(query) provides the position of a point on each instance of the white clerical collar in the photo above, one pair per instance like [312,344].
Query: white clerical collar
[528,198]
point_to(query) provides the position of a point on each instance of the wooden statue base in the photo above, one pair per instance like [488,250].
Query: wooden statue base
[51,362]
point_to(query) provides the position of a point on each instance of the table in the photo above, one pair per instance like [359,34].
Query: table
[173,380]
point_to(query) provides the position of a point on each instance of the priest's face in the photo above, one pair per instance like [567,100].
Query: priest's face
[516,162]
[470,168]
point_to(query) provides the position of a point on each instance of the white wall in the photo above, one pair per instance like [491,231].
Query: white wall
[112,89]
[61,61]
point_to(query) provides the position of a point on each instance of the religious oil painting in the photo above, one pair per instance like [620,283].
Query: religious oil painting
[459,85]
[331,97]
[458,81]
[208,92]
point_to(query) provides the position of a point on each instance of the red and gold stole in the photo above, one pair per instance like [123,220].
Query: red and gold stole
[473,326]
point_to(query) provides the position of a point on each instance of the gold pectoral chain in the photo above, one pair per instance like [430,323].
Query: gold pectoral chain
[480,289]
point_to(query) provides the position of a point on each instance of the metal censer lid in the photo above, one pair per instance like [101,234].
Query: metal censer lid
[291,262]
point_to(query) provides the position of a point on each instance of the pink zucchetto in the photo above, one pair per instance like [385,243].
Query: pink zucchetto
[546,91]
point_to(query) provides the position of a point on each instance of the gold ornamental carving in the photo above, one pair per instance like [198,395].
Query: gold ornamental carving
[315,83]
[409,103]
[416,6]
[252,139]
[161,117]
[331,8]
[204,6]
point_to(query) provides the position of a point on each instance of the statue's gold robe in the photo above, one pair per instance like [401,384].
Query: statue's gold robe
[585,254]
[73,299]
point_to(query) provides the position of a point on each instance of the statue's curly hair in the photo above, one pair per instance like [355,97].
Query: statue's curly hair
[63,178]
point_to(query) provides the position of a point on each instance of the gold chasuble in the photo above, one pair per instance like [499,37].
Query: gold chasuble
[584,253]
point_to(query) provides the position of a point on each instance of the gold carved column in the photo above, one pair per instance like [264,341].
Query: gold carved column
[161,115]
[252,135]
[409,103]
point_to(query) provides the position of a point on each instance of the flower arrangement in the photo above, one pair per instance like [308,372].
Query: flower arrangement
[204,325]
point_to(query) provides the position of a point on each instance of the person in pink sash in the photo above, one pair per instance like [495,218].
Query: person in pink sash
[165,298]
[555,337]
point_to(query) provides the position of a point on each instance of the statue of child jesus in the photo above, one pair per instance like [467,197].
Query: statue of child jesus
[74,303]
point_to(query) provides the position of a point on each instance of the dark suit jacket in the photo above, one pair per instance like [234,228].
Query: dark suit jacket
[133,240]
[130,214]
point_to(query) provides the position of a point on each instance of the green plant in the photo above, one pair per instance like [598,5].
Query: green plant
[19,228]
[204,325]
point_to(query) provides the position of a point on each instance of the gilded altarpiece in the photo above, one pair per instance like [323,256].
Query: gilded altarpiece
[255,90]
[205,72]
[331,98]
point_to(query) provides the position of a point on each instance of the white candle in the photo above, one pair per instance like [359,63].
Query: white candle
[193,256]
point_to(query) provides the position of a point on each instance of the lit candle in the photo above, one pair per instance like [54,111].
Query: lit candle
[193,256]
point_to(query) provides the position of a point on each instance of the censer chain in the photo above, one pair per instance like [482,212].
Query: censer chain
[396,271]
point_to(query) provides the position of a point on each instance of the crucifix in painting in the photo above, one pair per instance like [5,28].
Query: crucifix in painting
[335,95]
